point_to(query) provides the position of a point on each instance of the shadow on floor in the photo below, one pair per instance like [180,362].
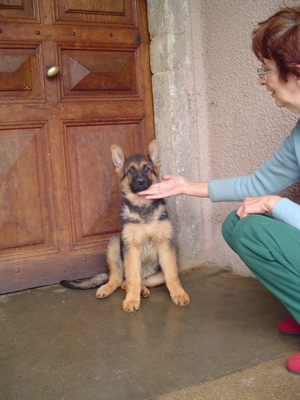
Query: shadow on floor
[66,345]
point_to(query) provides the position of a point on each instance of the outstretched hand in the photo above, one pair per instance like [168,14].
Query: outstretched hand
[171,185]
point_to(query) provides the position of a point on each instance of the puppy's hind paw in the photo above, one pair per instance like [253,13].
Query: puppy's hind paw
[145,293]
[102,293]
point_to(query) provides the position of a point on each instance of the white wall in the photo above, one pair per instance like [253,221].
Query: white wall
[212,118]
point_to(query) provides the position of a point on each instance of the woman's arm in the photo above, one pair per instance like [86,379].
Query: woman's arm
[282,209]
[275,174]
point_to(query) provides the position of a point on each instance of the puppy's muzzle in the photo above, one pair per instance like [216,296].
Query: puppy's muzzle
[140,183]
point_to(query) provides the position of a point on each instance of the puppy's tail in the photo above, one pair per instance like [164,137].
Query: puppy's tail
[88,283]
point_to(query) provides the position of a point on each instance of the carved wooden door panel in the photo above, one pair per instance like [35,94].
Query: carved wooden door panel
[59,194]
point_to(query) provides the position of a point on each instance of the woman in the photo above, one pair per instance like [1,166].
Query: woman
[265,230]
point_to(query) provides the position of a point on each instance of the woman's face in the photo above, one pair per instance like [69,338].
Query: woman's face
[286,94]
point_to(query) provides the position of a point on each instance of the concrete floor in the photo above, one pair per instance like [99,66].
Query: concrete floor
[66,345]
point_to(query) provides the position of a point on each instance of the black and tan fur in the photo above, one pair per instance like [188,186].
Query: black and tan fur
[143,255]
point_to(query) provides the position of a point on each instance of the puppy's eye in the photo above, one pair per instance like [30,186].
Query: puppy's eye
[131,170]
[146,169]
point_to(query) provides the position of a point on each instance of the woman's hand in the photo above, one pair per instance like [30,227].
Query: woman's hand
[172,185]
[257,205]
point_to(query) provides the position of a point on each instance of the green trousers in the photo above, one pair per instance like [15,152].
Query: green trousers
[271,250]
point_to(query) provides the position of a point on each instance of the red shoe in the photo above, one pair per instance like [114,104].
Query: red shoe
[293,363]
[289,326]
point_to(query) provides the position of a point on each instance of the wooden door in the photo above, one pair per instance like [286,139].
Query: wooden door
[59,194]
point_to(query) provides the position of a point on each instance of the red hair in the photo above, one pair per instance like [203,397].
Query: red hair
[278,39]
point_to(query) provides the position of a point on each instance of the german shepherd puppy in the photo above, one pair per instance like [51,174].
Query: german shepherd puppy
[143,255]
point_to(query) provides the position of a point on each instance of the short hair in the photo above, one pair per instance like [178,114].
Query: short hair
[278,39]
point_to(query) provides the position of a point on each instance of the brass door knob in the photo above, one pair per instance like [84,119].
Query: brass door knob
[52,71]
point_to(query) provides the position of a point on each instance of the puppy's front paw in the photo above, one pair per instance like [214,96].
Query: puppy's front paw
[131,305]
[181,299]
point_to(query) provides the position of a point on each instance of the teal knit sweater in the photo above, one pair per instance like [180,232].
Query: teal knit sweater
[275,174]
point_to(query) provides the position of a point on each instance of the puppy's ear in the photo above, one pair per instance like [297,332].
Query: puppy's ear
[118,158]
[154,154]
